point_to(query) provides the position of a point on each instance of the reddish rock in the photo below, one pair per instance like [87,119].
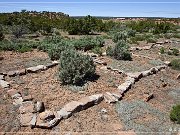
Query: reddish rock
[73,106]
[47,115]
[136,75]
[27,98]
[27,107]
[21,72]
[12,92]
[25,119]
[148,96]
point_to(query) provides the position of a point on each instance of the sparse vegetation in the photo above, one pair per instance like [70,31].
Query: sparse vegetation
[120,51]
[175,114]
[75,68]
[175,64]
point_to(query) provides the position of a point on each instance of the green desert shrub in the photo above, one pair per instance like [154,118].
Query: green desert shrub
[175,64]
[175,114]
[1,33]
[88,43]
[97,50]
[120,36]
[162,50]
[54,50]
[175,51]
[18,45]
[151,40]
[120,51]
[75,68]
[131,33]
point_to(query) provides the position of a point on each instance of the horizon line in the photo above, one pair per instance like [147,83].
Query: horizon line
[90,2]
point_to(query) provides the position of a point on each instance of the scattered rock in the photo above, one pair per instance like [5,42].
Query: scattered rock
[33,121]
[168,63]
[63,114]
[53,122]
[118,96]
[104,111]
[4,84]
[124,87]
[50,65]
[104,54]
[100,62]
[148,96]
[136,75]
[164,84]
[160,42]
[26,107]
[146,73]
[103,68]
[12,92]
[25,119]
[1,77]
[18,100]
[39,106]
[1,58]
[55,62]
[47,115]
[36,69]
[178,77]
[109,98]
[73,106]
[27,98]
[21,72]
[12,73]
[97,98]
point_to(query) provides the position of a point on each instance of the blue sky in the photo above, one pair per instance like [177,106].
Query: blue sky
[126,8]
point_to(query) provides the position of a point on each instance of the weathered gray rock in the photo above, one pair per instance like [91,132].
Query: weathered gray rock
[104,54]
[160,42]
[27,98]
[4,84]
[98,61]
[39,106]
[46,115]
[146,73]
[55,62]
[153,70]
[136,75]
[47,125]
[33,120]
[109,98]
[97,98]
[18,100]
[16,72]
[1,77]
[73,106]
[124,87]
[161,67]
[50,65]
[36,69]
[53,122]
[12,73]
[168,63]
[130,79]
[178,77]
[63,114]
[117,95]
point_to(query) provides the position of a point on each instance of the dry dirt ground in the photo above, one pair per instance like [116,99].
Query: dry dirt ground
[99,119]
